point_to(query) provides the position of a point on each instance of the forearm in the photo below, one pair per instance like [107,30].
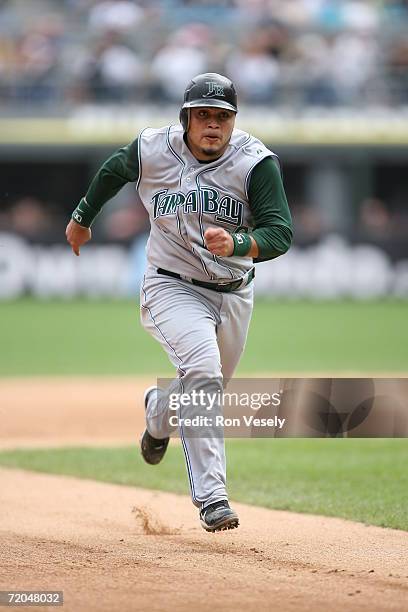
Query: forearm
[272,241]
[104,186]
[254,250]
[244,245]
[119,169]
[263,243]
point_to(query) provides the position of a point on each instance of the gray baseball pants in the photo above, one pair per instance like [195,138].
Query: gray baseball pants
[203,333]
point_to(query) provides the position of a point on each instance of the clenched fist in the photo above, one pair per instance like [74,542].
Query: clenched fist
[77,235]
[219,241]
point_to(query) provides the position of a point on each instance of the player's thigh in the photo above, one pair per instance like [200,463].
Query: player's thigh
[233,330]
[184,323]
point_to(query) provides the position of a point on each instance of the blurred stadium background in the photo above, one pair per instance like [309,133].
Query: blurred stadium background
[323,82]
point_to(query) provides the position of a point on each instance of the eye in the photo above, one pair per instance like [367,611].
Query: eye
[224,116]
[202,113]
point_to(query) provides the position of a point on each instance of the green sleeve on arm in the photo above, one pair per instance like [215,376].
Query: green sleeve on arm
[270,210]
[121,168]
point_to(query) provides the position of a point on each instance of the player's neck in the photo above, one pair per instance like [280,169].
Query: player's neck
[209,159]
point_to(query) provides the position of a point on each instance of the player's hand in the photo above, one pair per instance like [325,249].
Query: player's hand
[77,235]
[219,241]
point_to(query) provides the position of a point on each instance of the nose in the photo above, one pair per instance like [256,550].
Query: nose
[213,122]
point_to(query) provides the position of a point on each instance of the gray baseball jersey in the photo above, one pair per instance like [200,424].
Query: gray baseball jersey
[184,198]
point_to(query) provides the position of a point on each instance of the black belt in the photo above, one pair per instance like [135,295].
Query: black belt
[222,287]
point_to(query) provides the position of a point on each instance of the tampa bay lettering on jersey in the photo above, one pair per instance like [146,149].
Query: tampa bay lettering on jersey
[225,208]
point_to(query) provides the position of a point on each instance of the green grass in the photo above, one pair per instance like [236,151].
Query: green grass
[362,480]
[105,337]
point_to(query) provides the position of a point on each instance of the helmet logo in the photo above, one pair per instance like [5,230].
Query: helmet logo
[214,90]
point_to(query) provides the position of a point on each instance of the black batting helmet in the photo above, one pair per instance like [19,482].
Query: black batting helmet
[208,89]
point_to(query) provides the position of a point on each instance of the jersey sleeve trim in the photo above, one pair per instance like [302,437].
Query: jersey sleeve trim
[171,149]
[139,156]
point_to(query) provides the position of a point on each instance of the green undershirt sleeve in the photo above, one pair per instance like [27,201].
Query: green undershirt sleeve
[122,167]
[270,210]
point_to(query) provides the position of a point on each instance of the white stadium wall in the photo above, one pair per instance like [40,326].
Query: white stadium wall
[331,269]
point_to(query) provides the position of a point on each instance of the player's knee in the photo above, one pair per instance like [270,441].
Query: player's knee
[207,368]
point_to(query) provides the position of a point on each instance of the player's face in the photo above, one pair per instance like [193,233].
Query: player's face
[209,132]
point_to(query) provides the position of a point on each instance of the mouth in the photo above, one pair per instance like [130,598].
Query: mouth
[211,139]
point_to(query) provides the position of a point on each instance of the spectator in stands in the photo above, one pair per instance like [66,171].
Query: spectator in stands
[119,15]
[397,68]
[360,15]
[183,56]
[353,61]
[308,222]
[375,220]
[308,71]
[207,3]
[119,72]
[28,217]
[294,13]
[38,57]
[314,52]
[8,63]
[255,66]
[112,72]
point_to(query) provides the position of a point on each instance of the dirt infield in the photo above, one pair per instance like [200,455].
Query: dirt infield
[110,547]
[71,411]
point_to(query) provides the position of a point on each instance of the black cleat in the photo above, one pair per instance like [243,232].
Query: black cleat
[218,517]
[151,448]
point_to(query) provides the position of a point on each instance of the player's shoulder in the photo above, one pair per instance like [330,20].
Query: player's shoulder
[249,146]
[162,138]
[160,133]
[160,141]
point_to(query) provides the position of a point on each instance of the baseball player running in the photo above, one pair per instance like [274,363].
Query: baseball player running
[217,205]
